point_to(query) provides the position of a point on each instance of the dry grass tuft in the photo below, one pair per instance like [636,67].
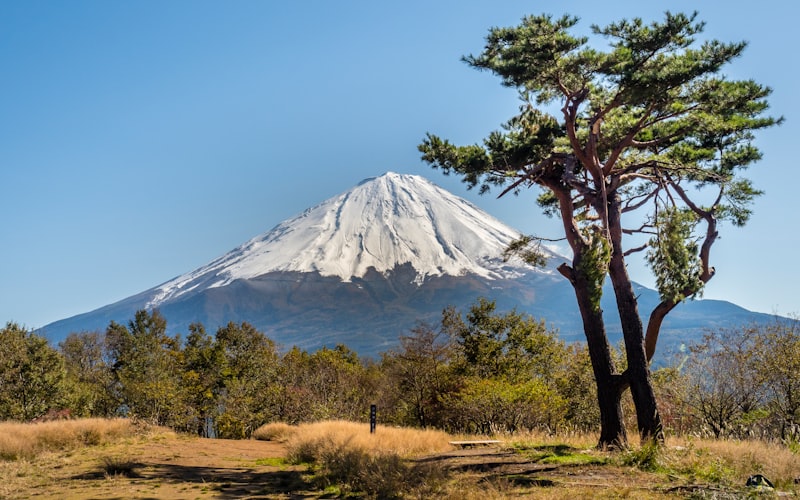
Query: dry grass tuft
[402,441]
[347,456]
[116,466]
[276,431]
[25,441]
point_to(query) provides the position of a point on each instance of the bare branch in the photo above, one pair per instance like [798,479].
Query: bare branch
[570,111]
[528,176]
[634,250]
[625,142]
[640,230]
[691,204]
[633,207]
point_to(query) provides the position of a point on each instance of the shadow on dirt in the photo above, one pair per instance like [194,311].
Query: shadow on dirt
[495,464]
[224,482]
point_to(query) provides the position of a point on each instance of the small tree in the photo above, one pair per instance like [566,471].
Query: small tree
[777,362]
[492,405]
[146,366]
[203,362]
[510,345]
[31,374]
[249,376]
[335,378]
[637,129]
[507,369]
[89,380]
[722,380]
[575,383]
[421,373]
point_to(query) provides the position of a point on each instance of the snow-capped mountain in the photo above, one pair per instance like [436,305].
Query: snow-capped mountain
[364,267]
[382,223]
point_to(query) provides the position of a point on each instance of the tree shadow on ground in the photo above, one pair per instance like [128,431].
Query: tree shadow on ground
[226,483]
[491,461]
[516,467]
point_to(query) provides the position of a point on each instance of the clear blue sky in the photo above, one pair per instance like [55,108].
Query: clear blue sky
[140,140]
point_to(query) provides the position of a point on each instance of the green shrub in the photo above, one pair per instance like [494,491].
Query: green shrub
[646,458]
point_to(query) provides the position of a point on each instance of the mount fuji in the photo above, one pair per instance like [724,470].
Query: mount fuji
[365,266]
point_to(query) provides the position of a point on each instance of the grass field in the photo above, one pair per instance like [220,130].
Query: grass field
[95,458]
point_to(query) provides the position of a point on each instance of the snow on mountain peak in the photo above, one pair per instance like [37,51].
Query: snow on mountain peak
[381,223]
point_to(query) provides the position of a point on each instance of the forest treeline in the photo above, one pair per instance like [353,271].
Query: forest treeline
[479,371]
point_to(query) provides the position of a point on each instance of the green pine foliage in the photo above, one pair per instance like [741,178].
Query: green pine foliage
[674,255]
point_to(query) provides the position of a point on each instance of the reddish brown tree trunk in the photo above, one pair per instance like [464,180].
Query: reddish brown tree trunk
[609,391]
[648,418]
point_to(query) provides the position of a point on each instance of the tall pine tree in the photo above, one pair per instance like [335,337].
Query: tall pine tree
[645,138]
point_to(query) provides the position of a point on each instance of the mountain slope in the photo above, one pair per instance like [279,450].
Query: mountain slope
[365,266]
[381,223]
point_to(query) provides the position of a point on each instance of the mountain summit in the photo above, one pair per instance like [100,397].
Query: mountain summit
[382,223]
[366,266]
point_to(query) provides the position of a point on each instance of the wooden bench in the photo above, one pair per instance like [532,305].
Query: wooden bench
[472,444]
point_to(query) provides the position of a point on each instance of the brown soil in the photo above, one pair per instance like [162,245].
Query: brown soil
[166,467]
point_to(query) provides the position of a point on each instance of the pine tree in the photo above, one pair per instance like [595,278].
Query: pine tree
[647,131]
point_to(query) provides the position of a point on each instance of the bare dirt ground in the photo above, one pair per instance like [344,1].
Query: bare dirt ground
[181,467]
[167,467]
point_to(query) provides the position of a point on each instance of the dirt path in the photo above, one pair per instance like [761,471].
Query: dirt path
[517,473]
[169,468]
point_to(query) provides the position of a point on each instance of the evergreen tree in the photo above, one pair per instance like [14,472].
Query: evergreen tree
[510,345]
[649,132]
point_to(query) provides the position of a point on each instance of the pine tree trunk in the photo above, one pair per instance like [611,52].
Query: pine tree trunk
[612,427]
[644,399]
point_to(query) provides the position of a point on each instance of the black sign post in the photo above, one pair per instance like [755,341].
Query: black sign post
[373,418]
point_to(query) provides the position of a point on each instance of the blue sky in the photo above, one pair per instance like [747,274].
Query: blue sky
[140,140]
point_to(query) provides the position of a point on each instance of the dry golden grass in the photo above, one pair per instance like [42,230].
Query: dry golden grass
[275,431]
[353,460]
[579,441]
[704,459]
[25,441]
[402,441]
[60,459]
[732,461]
